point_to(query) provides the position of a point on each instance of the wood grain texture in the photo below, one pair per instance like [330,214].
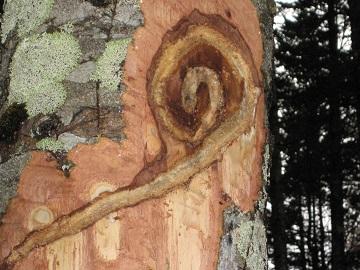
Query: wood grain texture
[169,217]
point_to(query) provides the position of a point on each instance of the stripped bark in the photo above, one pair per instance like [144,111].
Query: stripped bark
[194,112]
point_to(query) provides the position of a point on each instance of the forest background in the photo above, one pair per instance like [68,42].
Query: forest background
[314,190]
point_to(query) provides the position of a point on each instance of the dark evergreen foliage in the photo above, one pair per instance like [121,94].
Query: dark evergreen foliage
[314,193]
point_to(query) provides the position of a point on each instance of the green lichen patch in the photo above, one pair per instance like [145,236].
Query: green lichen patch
[108,68]
[58,151]
[25,16]
[40,64]
[50,144]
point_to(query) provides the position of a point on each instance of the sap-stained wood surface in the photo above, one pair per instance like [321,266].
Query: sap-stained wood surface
[182,229]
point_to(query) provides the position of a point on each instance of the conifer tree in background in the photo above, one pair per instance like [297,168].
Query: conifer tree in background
[315,171]
[353,238]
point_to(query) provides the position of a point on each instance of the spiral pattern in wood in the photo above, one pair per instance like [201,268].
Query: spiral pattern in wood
[190,92]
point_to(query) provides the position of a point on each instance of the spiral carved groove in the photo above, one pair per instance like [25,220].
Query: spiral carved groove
[198,81]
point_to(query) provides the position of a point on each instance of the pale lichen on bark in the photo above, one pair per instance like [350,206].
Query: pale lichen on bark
[51,34]
[243,245]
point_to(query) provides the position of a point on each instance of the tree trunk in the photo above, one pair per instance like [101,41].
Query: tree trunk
[335,176]
[355,46]
[278,217]
[310,237]
[186,188]
[303,260]
[355,25]
[322,232]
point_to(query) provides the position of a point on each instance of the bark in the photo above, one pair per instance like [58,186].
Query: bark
[195,122]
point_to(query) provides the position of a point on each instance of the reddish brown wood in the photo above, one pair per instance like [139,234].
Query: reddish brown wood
[180,230]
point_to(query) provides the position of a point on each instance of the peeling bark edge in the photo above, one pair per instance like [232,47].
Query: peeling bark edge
[10,172]
[230,257]
[266,11]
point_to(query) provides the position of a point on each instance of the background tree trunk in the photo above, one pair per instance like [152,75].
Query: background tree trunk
[278,217]
[336,182]
[186,188]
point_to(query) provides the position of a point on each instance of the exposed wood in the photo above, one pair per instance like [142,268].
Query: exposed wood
[167,221]
[210,151]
